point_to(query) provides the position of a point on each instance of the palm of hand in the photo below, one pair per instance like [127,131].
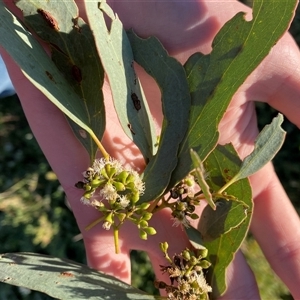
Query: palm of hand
[238,126]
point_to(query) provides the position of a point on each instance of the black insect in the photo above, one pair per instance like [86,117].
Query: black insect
[136,101]
[48,18]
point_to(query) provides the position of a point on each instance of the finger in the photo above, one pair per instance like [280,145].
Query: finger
[277,80]
[189,26]
[276,227]
[240,280]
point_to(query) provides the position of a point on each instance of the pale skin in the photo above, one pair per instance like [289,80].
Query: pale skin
[275,224]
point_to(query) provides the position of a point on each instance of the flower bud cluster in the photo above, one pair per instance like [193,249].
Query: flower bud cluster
[186,275]
[120,189]
[185,204]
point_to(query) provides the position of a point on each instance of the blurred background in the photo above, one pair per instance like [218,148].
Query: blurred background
[35,217]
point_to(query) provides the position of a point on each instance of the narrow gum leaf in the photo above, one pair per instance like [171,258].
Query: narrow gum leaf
[238,48]
[170,76]
[74,53]
[64,279]
[267,144]
[223,231]
[39,69]
[116,55]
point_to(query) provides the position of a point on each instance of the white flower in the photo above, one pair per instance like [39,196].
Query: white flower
[106,225]
[201,281]
[138,183]
[85,201]
[109,192]
[96,203]
[99,164]
[124,201]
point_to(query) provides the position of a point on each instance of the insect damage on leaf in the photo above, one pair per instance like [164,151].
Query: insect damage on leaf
[76,72]
[136,101]
[50,76]
[48,18]
[130,128]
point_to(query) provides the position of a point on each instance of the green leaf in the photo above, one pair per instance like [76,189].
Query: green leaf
[170,76]
[116,55]
[267,144]
[194,237]
[39,69]
[213,79]
[74,53]
[224,230]
[228,215]
[63,279]
[200,175]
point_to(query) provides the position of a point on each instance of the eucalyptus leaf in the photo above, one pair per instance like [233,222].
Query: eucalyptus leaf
[170,76]
[116,55]
[267,144]
[227,215]
[64,279]
[238,48]
[39,69]
[224,230]
[74,53]
[195,237]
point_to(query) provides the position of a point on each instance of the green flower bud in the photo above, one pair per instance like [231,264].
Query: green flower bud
[134,197]
[205,264]
[122,176]
[186,255]
[181,206]
[141,209]
[203,252]
[143,224]
[143,235]
[130,178]
[189,181]
[87,187]
[144,206]
[95,183]
[147,216]
[130,186]
[88,194]
[164,247]
[121,216]
[101,207]
[181,191]
[104,173]
[108,169]
[109,218]
[119,186]
[150,230]
[204,296]
[194,285]
[193,260]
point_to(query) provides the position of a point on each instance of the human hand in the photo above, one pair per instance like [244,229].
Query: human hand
[272,82]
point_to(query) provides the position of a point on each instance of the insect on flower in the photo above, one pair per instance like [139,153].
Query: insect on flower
[48,18]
